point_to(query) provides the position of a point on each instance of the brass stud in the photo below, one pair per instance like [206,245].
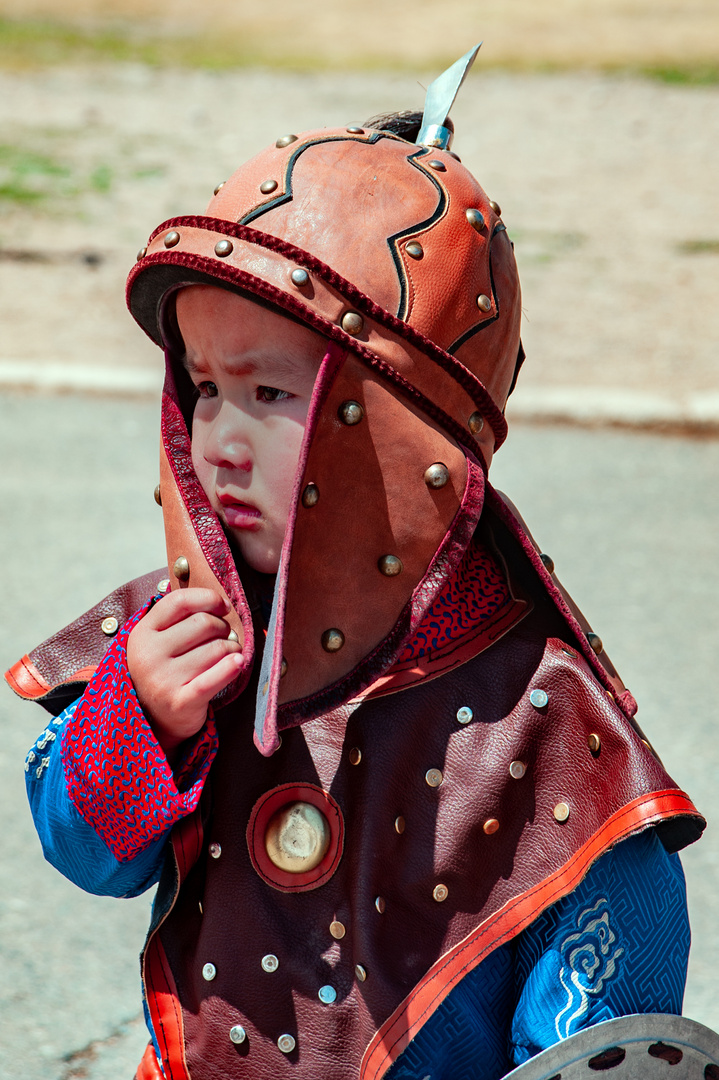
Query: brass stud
[434,777]
[219,187]
[561,811]
[172,239]
[310,496]
[414,249]
[355,755]
[464,715]
[237,1034]
[595,642]
[337,930]
[209,971]
[163,585]
[484,303]
[181,568]
[232,636]
[496,207]
[399,825]
[350,413]
[390,565]
[286,1043]
[354,130]
[110,625]
[475,218]
[223,248]
[437,475]
[299,277]
[215,850]
[517,769]
[539,698]
[158,495]
[283,668]
[440,893]
[141,254]
[380,904]
[475,423]
[352,323]
[269,962]
[548,562]
[569,652]
[361,973]
[332,640]
[594,743]
[268,186]
[285,140]
[490,826]
[437,165]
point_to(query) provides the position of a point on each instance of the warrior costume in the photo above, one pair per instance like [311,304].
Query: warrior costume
[426,757]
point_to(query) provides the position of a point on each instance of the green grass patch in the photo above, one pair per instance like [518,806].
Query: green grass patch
[695,74]
[42,180]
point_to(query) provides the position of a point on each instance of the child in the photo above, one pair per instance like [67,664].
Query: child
[402,819]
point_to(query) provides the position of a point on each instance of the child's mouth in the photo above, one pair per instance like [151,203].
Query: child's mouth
[239,515]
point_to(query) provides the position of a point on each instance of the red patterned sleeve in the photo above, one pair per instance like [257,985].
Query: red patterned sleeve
[118,777]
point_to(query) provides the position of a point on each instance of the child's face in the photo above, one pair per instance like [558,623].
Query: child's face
[254,372]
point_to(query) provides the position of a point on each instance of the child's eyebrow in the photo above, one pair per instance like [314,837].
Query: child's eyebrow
[272,367]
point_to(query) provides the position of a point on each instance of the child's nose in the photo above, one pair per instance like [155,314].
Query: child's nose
[227,445]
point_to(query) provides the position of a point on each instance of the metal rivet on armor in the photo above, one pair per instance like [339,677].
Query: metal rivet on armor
[464,715]
[569,652]
[490,826]
[327,995]
[399,824]
[268,186]
[414,249]
[223,248]
[440,893]
[283,668]
[595,642]
[269,962]
[158,495]
[219,187]
[517,769]
[181,568]
[172,239]
[649,746]
[164,585]
[232,636]
[539,698]
[434,777]
[337,930]
[496,207]
[285,140]
[548,562]
[475,423]
[380,904]
[110,625]
[594,743]
[561,811]
[310,496]
[286,1044]
[299,277]
[208,972]
[354,130]
[437,165]
[199,904]
[390,565]
[215,850]
[237,1034]
[360,972]
[333,640]
[141,253]
[350,413]
[355,755]
[484,303]
[437,475]
[352,323]
[475,218]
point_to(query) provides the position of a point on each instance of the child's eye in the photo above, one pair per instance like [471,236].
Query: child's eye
[271,393]
[206,389]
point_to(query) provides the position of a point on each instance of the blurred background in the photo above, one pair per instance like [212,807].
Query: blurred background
[594,124]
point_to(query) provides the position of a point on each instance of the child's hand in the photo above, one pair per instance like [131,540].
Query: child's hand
[179,657]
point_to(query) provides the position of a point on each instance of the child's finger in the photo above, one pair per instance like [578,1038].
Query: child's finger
[195,661]
[193,632]
[178,605]
[213,679]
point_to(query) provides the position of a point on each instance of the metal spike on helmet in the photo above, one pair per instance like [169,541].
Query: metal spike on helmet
[439,100]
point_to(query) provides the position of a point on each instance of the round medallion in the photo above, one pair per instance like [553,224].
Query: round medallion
[295,837]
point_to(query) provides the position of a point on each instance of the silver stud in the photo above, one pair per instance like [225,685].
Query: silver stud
[215,850]
[110,625]
[299,277]
[172,239]
[539,698]
[440,893]
[548,563]
[283,668]
[437,475]
[333,640]
[237,1034]
[594,743]
[268,186]
[475,218]
[390,565]
[181,568]
[232,636]
[223,248]
[163,586]
[475,423]
[285,140]
[354,130]
[355,755]
[414,249]
[484,303]
[208,972]
[141,254]
[269,962]
[327,995]
[352,323]
[361,973]
[490,826]
[437,165]
[158,495]
[595,642]
[380,904]
[219,187]
[310,496]
[337,930]
[350,413]
[464,715]
[496,207]
[399,825]
[517,769]
[561,811]
[434,777]
[286,1044]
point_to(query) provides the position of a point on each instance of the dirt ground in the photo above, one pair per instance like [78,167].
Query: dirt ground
[608,186]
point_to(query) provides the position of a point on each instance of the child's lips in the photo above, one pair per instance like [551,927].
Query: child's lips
[237,514]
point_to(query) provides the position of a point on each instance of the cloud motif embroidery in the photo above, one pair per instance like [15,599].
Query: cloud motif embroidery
[590,959]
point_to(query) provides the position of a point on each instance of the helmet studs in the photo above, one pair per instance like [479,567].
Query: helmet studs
[299,277]
[414,249]
[475,218]
[172,239]
[437,165]
[219,187]
[268,186]
[285,140]
[484,303]
[223,248]
[352,323]
[496,207]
